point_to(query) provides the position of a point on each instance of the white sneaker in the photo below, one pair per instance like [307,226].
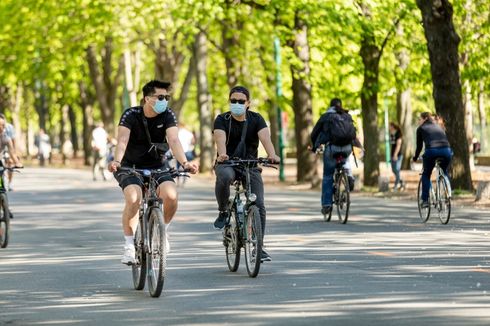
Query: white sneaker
[128,256]
[167,244]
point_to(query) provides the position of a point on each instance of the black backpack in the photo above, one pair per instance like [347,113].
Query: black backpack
[340,128]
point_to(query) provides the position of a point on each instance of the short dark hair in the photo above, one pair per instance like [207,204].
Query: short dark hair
[149,88]
[336,102]
[2,116]
[240,89]
[426,115]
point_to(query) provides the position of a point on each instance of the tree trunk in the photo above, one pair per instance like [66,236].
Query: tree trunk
[442,44]
[20,144]
[404,111]
[405,119]
[482,117]
[178,104]
[370,54]
[62,135]
[468,121]
[105,83]
[204,104]
[86,102]
[130,82]
[41,105]
[302,104]
[73,130]
[230,34]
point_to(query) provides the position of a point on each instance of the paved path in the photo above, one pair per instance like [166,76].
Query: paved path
[382,268]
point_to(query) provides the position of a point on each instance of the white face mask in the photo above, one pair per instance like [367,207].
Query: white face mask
[160,106]
[237,109]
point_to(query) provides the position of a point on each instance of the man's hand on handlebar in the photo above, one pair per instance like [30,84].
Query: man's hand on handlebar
[113,166]
[222,158]
[191,167]
[274,159]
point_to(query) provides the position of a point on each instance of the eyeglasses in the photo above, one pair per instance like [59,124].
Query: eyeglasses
[234,100]
[162,97]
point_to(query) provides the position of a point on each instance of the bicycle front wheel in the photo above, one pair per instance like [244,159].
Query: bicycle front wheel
[4,221]
[444,200]
[139,269]
[343,201]
[231,241]
[424,212]
[253,241]
[157,256]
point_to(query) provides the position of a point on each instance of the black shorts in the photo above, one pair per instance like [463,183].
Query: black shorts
[125,179]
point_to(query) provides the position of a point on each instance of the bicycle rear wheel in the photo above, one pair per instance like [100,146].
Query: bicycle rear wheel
[4,221]
[157,256]
[253,241]
[444,200]
[343,202]
[424,212]
[139,269]
[231,241]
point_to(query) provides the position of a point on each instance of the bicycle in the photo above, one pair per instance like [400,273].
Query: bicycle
[439,198]
[341,197]
[5,214]
[150,236]
[244,228]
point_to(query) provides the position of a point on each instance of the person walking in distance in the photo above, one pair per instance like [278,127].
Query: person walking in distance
[228,129]
[396,139]
[142,134]
[99,151]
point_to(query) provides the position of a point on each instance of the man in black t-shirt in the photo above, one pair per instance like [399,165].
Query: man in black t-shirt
[135,148]
[227,135]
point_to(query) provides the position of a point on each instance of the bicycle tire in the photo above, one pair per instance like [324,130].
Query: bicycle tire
[139,269]
[157,256]
[444,200]
[4,221]
[253,241]
[424,213]
[343,200]
[231,240]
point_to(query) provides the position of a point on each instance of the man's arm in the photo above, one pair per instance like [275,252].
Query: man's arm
[398,146]
[220,140]
[172,134]
[265,139]
[13,153]
[123,134]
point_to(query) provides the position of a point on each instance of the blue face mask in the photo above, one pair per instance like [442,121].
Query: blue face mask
[237,109]
[160,106]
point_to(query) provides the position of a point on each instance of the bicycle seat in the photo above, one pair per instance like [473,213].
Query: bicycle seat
[439,160]
[340,157]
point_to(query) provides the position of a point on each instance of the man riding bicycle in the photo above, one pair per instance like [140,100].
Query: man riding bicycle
[336,130]
[144,132]
[237,134]
[431,134]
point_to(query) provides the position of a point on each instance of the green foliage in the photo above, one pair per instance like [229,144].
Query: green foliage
[46,41]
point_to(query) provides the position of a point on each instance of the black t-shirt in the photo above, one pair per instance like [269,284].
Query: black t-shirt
[137,152]
[393,138]
[233,130]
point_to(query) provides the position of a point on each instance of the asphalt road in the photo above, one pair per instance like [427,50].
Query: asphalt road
[62,266]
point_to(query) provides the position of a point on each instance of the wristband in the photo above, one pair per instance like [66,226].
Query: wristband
[184,163]
[117,161]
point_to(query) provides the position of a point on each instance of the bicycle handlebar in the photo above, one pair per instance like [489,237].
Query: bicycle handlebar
[148,172]
[245,162]
[13,168]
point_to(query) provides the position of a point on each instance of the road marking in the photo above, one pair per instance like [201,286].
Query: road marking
[481,270]
[380,253]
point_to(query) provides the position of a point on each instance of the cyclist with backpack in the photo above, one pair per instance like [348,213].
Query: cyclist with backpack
[336,130]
